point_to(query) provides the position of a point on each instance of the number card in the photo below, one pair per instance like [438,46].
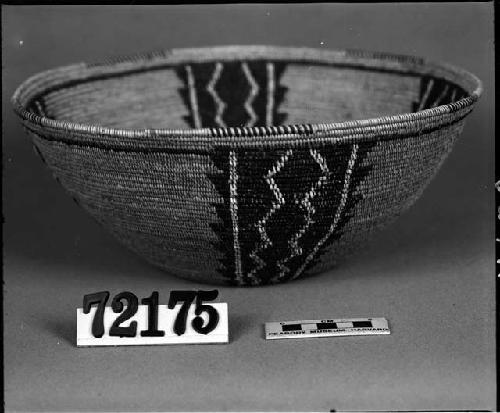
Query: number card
[186,319]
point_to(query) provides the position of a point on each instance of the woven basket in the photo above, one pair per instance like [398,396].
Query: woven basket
[246,165]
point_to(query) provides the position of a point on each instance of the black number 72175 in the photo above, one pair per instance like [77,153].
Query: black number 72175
[131,302]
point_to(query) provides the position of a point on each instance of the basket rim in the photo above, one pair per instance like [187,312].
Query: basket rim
[416,121]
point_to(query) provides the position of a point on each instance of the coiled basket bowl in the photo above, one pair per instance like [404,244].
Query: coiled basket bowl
[246,165]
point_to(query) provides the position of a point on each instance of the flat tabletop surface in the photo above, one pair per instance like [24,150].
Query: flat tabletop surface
[431,274]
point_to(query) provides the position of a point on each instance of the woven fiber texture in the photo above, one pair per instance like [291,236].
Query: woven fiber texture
[246,165]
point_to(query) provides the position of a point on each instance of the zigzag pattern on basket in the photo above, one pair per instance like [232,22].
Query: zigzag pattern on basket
[435,92]
[232,94]
[283,209]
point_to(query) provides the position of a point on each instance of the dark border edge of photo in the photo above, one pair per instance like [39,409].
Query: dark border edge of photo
[497,218]
[496,171]
[2,395]
[200,2]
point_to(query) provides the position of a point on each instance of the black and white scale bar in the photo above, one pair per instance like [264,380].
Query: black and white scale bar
[326,328]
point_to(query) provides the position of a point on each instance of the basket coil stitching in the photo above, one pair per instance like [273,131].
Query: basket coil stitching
[291,131]
[247,178]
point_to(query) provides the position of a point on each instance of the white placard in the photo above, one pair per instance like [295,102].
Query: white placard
[166,319]
[326,328]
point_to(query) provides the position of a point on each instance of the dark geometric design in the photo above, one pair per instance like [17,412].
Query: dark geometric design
[435,92]
[223,228]
[359,173]
[280,242]
[238,90]
[279,118]
[38,107]
[281,209]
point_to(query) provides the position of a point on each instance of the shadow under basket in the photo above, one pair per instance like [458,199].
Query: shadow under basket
[246,165]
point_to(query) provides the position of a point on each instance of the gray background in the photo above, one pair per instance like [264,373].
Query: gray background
[431,274]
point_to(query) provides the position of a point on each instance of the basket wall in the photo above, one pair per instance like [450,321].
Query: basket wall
[164,206]
[249,185]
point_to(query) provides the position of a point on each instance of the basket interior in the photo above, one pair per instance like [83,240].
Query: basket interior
[241,93]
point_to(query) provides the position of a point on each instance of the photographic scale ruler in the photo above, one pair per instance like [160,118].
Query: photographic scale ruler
[326,328]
